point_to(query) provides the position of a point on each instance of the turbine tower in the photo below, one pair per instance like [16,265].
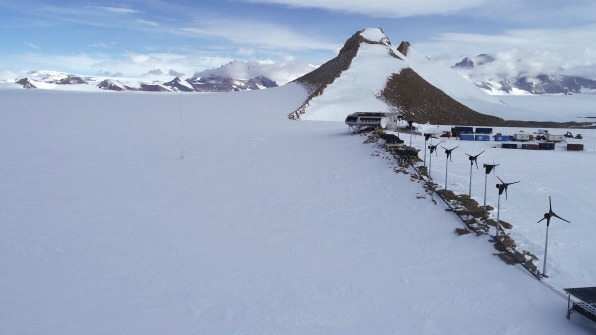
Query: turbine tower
[487,170]
[547,217]
[473,159]
[433,148]
[502,187]
[448,153]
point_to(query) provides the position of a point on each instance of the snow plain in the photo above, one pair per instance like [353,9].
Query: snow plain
[143,213]
[153,213]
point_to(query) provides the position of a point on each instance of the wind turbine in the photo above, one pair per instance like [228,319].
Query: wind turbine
[433,148]
[473,159]
[399,118]
[547,217]
[427,136]
[448,152]
[487,170]
[502,187]
[411,124]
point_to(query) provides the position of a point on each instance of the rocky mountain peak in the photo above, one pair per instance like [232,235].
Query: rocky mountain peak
[403,47]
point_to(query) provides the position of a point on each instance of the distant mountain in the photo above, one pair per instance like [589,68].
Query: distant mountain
[226,84]
[49,79]
[470,63]
[475,68]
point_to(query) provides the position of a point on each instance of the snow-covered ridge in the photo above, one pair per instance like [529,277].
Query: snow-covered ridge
[380,78]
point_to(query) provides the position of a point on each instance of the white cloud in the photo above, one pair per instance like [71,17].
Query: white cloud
[245,52]
[104,45]
[119,10]
[258,35]
[521,51]
[281,72]
[384,8]
[159,66]
[148,23]
[132,65]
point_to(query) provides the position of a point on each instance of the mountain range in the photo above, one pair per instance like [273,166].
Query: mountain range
[369,74]
[196,83]
[474,67]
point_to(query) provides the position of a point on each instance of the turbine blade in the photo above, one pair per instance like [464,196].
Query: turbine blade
[555,215]
[550,204]
[541,220]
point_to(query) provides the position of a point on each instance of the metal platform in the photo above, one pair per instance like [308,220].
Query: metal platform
[584,304]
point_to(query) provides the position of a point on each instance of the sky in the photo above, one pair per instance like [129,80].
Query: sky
[147,38]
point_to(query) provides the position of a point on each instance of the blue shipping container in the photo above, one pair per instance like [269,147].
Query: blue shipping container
[502,138]
[482,137]
[467,137]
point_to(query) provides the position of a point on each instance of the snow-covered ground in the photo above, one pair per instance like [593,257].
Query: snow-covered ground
[153,213]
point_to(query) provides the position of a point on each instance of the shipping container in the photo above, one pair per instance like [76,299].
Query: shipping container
[467,137]
[575,147]
[509,146]
[462,130]
[502,138]
[530,146]
[480,130]
[482,137]
[555,138]
[523,137]
[546,146]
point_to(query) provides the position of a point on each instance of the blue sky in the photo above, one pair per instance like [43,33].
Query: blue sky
[134,38]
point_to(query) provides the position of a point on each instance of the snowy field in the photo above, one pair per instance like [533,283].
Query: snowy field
[142,213]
